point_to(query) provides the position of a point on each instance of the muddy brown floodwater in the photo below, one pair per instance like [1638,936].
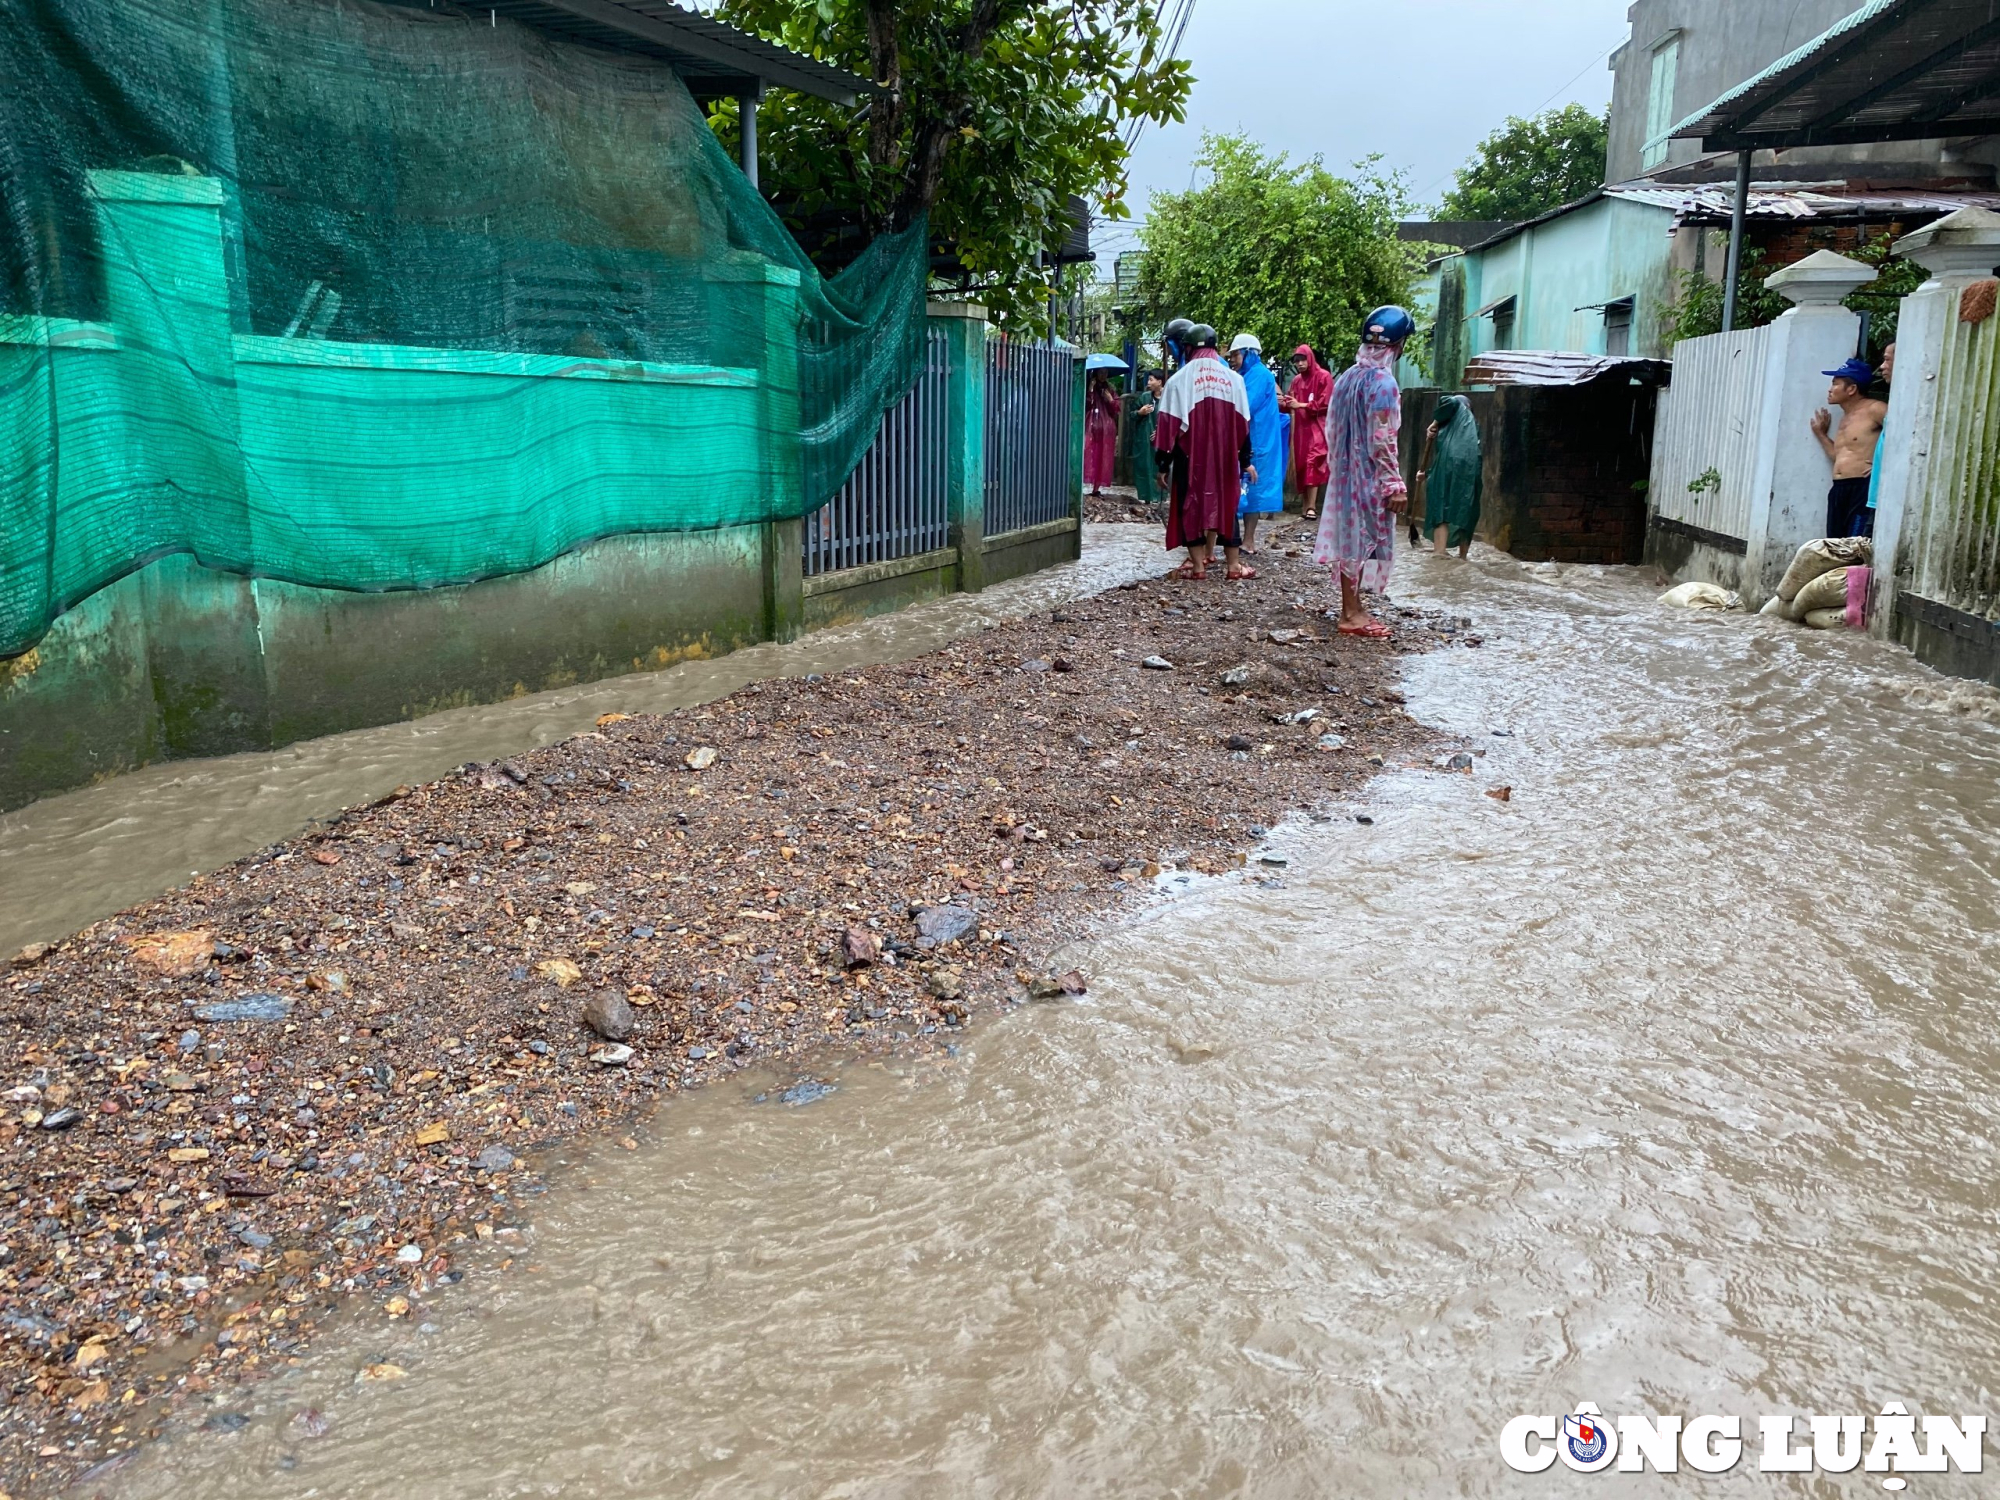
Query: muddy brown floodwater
[1668,1085]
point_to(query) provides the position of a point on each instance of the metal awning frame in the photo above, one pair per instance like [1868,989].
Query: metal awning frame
[1946,82]
[1738,120]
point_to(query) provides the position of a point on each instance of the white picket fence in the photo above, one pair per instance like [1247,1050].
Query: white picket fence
[1705,443]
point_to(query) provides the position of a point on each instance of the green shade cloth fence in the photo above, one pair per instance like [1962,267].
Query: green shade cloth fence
[375,296]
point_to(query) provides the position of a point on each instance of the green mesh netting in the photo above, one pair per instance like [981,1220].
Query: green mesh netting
[374,296]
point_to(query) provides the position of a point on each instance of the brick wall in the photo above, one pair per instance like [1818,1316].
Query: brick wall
[1786,243]
[1566,467]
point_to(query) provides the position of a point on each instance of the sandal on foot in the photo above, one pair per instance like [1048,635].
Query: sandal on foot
[1189,573]
[1374,630]
[1240,572]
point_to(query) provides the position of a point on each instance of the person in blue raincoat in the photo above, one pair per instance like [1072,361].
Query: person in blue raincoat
[1267,437]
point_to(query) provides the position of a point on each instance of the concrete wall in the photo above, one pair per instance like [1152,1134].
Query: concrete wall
[1562,271]
[1723,43]
[182,659]
[1738,418]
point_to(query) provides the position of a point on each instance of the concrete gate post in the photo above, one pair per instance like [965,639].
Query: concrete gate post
[1078,419]
[1788,496]
[174,428]
[964,326]
[1957,250]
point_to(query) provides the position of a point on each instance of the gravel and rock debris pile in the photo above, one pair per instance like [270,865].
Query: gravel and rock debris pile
[1122,503]
[327,1070]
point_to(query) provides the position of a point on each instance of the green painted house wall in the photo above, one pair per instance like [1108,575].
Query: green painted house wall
[1562,270]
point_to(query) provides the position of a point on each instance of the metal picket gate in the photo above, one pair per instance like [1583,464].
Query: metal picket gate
[1030,390]
[894,504]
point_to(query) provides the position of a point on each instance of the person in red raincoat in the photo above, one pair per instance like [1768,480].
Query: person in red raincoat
[1100,432]
[1308,401]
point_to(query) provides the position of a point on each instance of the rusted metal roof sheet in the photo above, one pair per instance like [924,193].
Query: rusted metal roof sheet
[1894,70]
[1558,367]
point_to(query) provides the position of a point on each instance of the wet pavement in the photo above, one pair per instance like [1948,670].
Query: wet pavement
[1666,1084]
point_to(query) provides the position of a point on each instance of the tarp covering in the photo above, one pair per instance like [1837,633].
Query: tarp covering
[374,296]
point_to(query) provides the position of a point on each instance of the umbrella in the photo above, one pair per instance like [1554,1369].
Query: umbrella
[1105,362]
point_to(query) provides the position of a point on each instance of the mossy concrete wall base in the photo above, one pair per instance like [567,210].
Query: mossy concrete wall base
[335,661]
[79,707]
[1013,554]
[180,660]
[204,643]
[879,588]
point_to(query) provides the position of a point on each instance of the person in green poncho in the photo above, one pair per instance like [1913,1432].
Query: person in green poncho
[1144,478]
[1453,476]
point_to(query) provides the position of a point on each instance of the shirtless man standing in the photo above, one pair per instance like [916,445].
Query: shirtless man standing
[1852,448]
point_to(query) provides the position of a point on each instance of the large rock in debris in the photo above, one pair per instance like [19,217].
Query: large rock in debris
[609,1015]
[939,925]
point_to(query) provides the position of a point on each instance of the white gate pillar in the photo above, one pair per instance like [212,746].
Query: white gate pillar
[1788,496]
[1957,250]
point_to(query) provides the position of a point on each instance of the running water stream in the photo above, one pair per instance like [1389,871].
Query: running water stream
[1668,1085]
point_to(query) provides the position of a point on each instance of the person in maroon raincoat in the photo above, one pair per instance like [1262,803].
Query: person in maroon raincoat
[1100,432]
[1203,427]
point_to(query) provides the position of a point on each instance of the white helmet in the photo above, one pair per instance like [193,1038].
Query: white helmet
[1244,341]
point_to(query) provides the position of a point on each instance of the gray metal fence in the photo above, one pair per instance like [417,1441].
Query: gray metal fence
[895,502]
[1030,391]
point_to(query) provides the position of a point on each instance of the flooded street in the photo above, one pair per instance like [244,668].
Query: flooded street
[68,860]
[1667,1085]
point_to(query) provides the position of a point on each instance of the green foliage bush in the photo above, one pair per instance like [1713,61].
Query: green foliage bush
[1287,251]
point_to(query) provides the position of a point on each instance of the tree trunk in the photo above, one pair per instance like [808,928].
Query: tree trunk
[942,119]
[885,114]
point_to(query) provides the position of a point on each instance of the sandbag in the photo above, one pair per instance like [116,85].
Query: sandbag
[1822,556]
[1827,619]
[1701,596]
[1827,591]
[1779,608]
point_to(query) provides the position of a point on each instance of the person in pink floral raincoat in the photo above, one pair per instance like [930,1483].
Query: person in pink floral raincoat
[1365,490]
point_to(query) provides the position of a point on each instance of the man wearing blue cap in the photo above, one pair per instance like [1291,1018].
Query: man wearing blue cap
[1852,447]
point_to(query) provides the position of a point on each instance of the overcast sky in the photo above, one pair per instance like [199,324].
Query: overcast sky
[1419,81]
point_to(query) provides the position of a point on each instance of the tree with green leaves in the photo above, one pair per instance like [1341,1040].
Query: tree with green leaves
[1285,250]
[990,115]
[1528,167]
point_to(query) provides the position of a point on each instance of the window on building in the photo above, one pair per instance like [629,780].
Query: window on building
[1503,323]
[1660,101]
[1618,326]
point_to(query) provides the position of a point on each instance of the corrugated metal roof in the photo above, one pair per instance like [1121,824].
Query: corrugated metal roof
[715,59]
[1542,218]
[1708,203]
[1459,232]
[1558,367]
[1704,203]
[1894,70]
